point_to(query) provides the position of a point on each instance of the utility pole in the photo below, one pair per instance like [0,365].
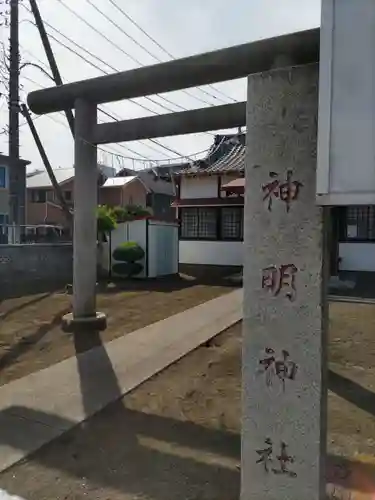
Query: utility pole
[43,154]
[17,172]
[50,56]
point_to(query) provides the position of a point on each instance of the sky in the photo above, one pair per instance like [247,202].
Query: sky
[181,27]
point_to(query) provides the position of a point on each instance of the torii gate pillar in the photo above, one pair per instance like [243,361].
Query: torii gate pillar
[84,314]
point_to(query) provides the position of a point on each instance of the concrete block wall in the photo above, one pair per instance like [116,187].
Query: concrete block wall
[26,269]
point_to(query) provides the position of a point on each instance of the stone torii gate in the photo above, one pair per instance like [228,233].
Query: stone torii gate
[84,96]
[284,352]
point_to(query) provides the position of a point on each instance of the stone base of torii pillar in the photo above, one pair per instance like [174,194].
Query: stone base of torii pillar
[285,314]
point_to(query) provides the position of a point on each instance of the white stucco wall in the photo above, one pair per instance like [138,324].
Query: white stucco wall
[357,256]
[199,187]
[218,253]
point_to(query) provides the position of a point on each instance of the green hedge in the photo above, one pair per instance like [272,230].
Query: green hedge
[128,252]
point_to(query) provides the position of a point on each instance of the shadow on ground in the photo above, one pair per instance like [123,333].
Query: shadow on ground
[17,288]
[29,340]
[189,276]
[23,305]
[126,451]
[352,392]
[147,456]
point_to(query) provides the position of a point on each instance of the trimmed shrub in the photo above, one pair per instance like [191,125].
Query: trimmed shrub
[129,251]
[128,268]
[127,254]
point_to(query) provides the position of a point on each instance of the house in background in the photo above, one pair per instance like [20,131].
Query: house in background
[160,190]
[354,237]
[146,189]
[209,210]
[209,204]
[123,191]
[5,202]
[42,205]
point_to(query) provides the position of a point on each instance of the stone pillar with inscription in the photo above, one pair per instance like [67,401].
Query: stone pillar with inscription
[284,353]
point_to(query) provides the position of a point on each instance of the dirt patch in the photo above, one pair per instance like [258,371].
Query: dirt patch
[178,435]
[352,328]
[31,337]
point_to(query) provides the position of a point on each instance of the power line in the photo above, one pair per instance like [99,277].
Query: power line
[42,63]
[141,156]
[120,145]
[114,44]
[187,92]
[94,56]
[167,148]
[122,31]
[54,119]
[131,100]
[113,116]
[167,52]
[97,67]
[148,52]
[151,140]
[146,159]
[121,50]
[150,161]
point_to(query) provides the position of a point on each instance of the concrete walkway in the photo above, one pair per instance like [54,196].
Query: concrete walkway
[40,407]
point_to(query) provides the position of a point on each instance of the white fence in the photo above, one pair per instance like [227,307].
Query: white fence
[158,239]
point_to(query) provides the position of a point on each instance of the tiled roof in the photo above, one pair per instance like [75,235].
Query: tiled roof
[226,155]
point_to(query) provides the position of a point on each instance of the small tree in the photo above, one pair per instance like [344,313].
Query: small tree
[127,254]
[136,211]
[106,220]
[120,214]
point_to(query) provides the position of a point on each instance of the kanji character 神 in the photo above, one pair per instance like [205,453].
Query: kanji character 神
[283,369]
[285,191]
